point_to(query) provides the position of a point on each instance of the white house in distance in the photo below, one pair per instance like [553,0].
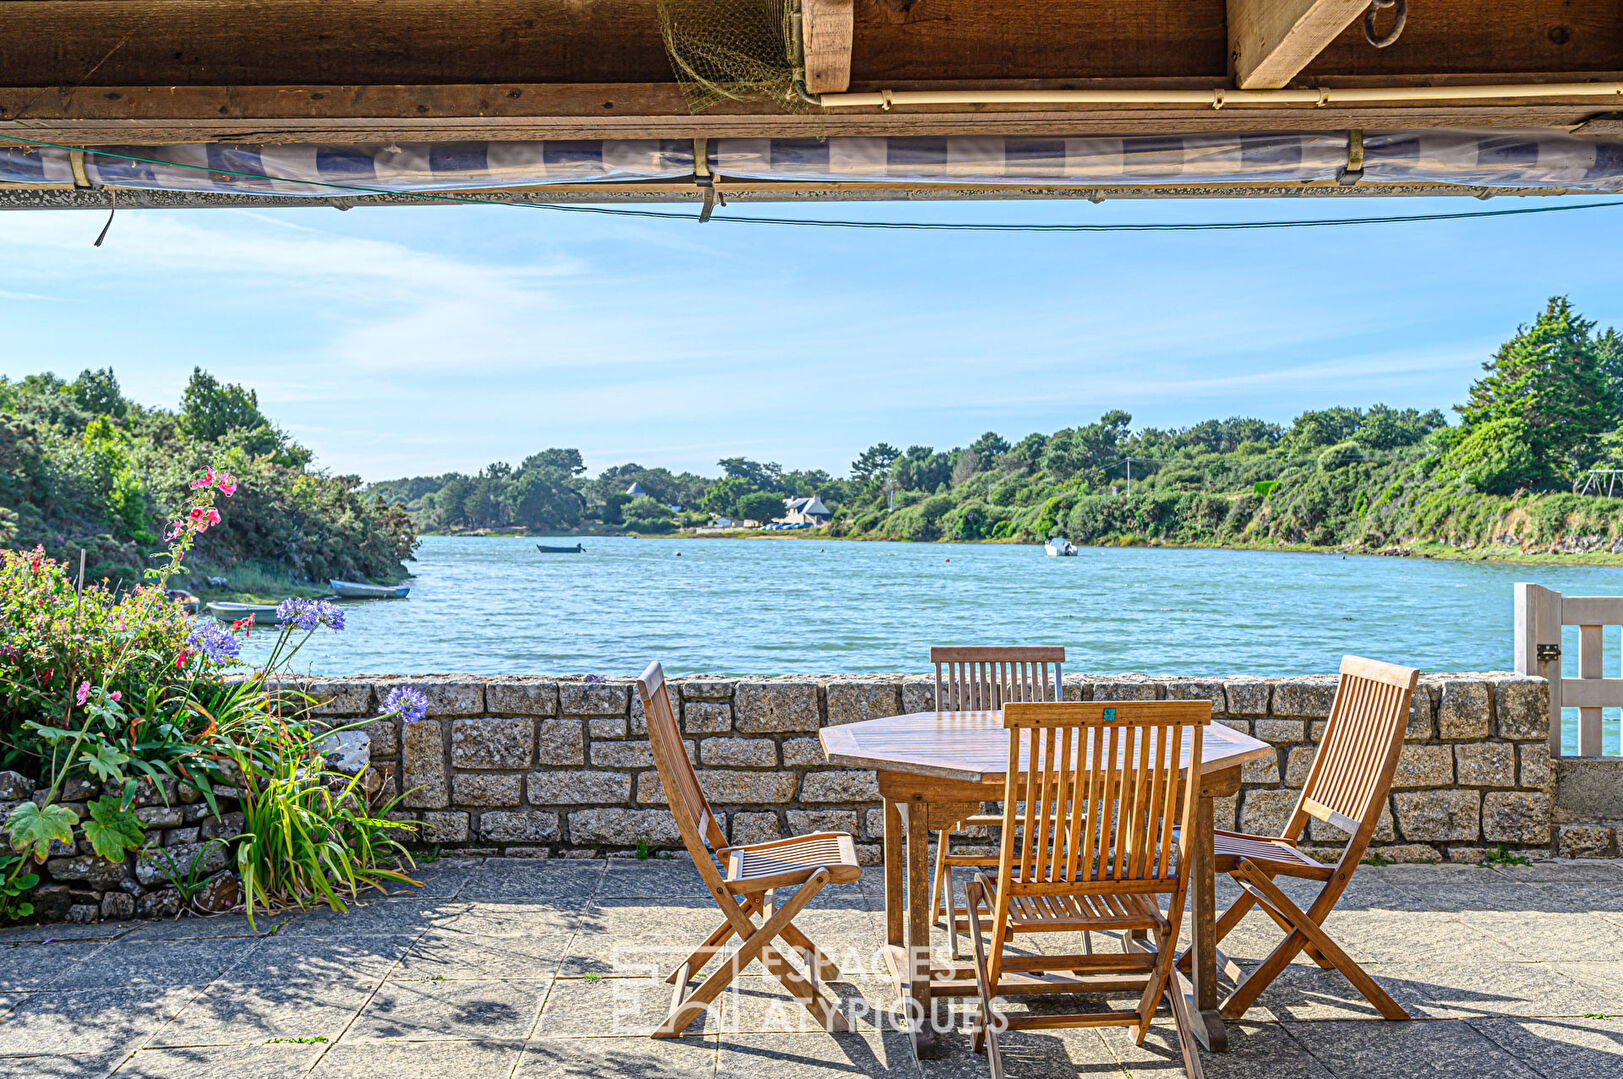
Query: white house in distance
[805,511]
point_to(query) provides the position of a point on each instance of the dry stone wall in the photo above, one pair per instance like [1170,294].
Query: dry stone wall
[562,767]
[184,841]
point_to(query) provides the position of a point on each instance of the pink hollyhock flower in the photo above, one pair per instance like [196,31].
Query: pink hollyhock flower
[213,516]
[227,484]
[83,694]
[116,696]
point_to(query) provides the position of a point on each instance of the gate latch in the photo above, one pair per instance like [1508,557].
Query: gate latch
[1548,653]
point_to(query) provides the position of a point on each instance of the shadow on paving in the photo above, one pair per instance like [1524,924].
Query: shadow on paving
[518,969]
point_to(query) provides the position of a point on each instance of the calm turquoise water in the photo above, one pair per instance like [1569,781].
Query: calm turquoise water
[490,606]
[497,606]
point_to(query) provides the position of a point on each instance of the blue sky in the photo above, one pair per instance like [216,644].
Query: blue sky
[414,340]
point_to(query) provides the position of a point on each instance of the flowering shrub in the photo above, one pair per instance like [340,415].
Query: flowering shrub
[113,687]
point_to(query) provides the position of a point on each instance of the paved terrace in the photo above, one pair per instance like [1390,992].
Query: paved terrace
[507,968]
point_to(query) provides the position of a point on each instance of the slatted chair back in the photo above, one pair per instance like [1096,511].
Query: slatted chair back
[1352,770]
[985,679]
[701,832]
[1098,796]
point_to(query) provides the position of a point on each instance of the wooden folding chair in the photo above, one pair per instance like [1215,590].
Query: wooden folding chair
[743,884]
[1347,788]
[1097,817]
[969,679]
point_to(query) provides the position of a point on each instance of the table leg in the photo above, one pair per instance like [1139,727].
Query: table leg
[918,927]
[895,877]
[1208,1023]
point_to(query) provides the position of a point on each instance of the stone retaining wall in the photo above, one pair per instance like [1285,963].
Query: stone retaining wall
[184,842]
[544,766]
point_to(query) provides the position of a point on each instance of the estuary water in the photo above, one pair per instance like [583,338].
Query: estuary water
[758,606]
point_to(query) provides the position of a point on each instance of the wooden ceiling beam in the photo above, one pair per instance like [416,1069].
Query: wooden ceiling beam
[356,114]
[387,42]
[826,35]
[1270,41]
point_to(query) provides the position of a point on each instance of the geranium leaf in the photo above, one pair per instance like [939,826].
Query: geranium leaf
[112,829]
[105,762]
[32,828]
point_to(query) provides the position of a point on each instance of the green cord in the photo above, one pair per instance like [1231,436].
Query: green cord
[909,226]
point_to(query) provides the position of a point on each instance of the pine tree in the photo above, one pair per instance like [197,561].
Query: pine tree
[1550,377]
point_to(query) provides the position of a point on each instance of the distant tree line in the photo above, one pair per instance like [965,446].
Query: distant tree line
[1548,408]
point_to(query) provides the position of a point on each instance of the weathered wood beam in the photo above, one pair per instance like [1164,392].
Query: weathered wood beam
[826,35]
[148,115]
[1270,41]
[417,42]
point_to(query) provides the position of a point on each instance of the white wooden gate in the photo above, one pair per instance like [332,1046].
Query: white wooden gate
[1540,615]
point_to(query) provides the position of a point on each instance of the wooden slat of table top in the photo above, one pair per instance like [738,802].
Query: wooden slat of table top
[974,746]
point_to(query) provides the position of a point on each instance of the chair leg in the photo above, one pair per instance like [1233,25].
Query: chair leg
[985,1036]
[704,952]
[826,968]
[940,899]
[1185,1025]
[759,942]
[1305,933]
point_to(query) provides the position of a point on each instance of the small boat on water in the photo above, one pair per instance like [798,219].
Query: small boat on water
[263,614]
[188,602]
[358,590]
[1059,547]
[578,548]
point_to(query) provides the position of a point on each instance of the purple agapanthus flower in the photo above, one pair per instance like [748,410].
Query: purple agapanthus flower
[307,614]
[407,703]
[214,641]
[332,614]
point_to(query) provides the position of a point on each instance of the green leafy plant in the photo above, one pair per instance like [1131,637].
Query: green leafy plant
[645,850]
[1501,856]
[308,834]
[32,828]
[112,828]
[188,881]
[15,884]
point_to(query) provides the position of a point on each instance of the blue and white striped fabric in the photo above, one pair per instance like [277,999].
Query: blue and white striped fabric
[1499,159]
[327,170]
[1144,159]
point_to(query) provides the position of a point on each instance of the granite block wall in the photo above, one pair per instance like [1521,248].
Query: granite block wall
[561,767]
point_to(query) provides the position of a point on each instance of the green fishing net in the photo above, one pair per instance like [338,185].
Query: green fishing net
[734,50]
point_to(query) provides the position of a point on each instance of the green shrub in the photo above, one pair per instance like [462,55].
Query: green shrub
[1341,455]
[1494,457]
[762,506]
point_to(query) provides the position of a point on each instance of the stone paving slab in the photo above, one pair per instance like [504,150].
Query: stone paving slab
[507,969]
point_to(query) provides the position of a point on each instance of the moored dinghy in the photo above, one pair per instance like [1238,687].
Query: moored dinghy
[579,548]
[263,614]
[358,590]
[1059,547]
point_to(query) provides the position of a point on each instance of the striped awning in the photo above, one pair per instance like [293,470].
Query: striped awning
[1489,159]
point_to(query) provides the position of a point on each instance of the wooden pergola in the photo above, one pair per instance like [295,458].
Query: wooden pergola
[161,72]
